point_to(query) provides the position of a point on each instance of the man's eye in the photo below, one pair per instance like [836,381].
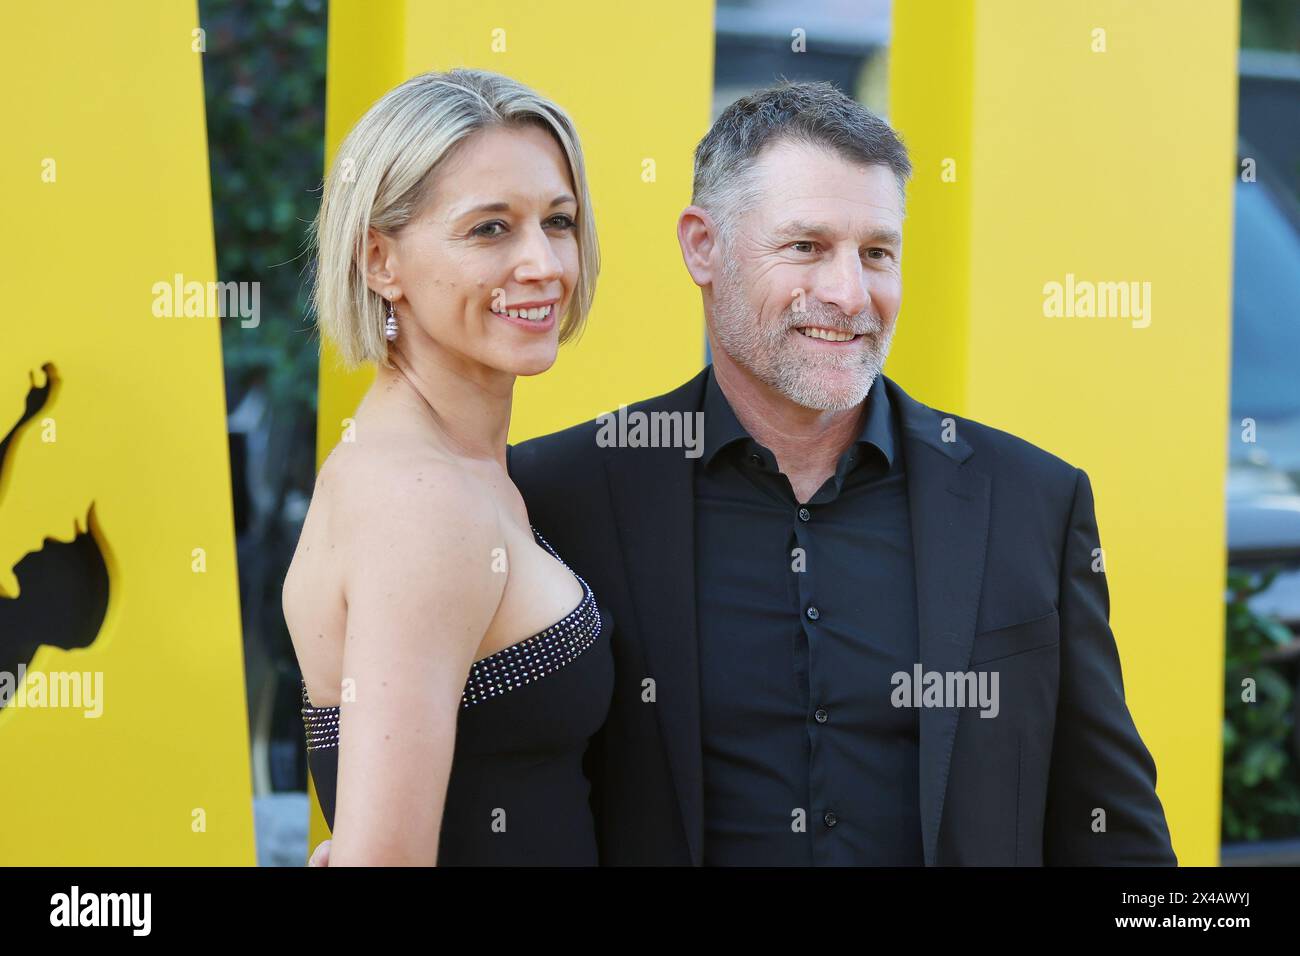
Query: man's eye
[883,252]
[483,229]
[562,221]
[803,242]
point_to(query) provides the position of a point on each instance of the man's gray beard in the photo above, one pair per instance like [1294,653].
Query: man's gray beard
[766,353]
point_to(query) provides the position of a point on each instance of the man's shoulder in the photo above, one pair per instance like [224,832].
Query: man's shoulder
[995,449]
[578,446]
[577,449]
[567,442]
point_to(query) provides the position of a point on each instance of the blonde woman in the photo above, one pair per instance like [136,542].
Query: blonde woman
[453,666]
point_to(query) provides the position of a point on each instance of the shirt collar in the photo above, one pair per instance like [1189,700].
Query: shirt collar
[722,428]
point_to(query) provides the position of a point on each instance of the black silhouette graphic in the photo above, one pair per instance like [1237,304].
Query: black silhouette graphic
[63,587]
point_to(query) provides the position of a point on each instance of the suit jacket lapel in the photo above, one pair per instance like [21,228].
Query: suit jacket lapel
[949,507]
[948,502]
[654,503]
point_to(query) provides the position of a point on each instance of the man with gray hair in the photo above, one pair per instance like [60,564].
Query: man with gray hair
[855,629]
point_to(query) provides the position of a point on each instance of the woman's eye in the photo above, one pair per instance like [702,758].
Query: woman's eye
[483,229]
[562,221]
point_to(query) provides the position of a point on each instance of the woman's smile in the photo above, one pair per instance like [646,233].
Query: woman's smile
[537,316]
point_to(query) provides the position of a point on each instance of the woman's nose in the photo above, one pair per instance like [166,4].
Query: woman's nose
[538,261]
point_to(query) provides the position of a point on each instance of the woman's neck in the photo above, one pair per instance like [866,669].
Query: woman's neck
[468,408]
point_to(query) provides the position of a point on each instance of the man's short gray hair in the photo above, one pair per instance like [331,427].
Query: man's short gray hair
[817,114]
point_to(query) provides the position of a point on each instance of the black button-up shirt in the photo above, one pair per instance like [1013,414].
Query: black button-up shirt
[805,611]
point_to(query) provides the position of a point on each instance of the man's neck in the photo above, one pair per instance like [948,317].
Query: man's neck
[807,442]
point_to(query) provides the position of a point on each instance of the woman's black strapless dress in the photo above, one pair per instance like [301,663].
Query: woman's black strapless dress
[516,795]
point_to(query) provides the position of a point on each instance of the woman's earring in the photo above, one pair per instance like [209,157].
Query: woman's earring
[390,324]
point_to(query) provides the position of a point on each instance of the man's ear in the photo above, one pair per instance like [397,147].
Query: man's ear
[381,265]
[697,234]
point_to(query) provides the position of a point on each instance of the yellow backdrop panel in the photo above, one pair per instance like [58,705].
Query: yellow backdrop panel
[1086,144]
[106,193]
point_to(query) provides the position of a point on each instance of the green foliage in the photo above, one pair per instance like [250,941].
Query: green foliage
[1268,24]
[264,82]
[1261,781]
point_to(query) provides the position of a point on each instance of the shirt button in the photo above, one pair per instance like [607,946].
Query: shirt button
[821,715]
[813,613]
[830,819]
[805,514]
[756,459]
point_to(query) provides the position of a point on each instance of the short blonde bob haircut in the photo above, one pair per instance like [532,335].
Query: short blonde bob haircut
[383,174]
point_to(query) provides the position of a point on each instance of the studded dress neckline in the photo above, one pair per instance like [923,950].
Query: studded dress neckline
[499,673]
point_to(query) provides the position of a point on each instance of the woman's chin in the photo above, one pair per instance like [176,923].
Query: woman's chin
[533,361]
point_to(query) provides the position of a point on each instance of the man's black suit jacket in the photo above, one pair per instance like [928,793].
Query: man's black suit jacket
[1007,579]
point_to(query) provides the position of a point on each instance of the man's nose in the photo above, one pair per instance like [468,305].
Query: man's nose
[538,261]
[843,284]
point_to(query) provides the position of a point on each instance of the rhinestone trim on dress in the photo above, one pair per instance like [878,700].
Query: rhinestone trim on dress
[509,668]
[321,723]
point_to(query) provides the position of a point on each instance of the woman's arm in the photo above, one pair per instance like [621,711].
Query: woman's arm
[420,592]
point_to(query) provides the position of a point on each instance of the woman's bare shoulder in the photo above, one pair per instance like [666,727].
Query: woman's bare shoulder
[417,536]
[360,476]
[392,490]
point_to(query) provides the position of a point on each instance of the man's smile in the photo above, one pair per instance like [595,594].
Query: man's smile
[829,336]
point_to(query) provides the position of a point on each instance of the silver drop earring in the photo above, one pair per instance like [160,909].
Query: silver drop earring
[390,324]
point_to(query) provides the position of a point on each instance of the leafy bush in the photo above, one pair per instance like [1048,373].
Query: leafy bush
[1261,784]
